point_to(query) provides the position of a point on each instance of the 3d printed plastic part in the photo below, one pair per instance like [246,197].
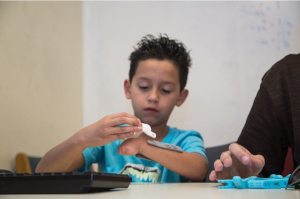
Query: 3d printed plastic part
[146,129]
[274,182]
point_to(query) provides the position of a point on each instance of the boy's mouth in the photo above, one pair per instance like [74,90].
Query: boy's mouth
[151,110]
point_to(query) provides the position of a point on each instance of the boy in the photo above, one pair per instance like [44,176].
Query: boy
[157,77]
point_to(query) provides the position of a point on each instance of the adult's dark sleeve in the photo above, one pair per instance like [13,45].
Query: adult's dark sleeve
[264,132]
[273,123]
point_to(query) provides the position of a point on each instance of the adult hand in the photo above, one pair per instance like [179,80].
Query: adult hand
[238,161]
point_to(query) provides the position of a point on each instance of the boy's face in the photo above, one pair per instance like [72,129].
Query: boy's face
[154,91]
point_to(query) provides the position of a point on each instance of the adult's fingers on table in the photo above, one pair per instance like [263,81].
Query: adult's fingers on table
[218,165]
[226,158]
[242,154]
[212,175]
[258,161]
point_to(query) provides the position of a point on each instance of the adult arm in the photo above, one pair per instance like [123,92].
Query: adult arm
[262,134]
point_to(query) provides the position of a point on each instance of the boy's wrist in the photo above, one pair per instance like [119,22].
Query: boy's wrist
[78,141]
[143,146]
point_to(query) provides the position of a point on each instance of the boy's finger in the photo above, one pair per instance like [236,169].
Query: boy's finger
[113,116]
[121,136]
[242,154]
[124,129]
[226,158]
[124,120]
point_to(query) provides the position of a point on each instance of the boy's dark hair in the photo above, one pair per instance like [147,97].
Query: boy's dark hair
[161,48]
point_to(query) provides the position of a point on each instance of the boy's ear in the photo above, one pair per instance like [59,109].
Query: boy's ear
[127,88]
[182,97]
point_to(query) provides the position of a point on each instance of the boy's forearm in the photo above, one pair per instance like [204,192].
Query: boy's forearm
[190,165]
[63,157]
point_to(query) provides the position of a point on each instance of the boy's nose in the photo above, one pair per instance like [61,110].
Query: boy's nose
[153,96]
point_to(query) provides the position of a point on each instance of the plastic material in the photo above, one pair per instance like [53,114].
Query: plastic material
[160,145]
[61,182]
[146,129]
[274,182]
[165,146]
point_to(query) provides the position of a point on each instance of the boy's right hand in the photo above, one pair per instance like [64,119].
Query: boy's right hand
[108,130]
[238,161]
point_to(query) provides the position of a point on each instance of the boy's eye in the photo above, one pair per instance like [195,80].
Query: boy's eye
[166,91]
[143,87]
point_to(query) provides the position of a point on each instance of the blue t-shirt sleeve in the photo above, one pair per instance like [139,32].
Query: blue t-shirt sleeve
[193,143]
[90,155]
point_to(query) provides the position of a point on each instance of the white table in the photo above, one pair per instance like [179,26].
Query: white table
[174,191]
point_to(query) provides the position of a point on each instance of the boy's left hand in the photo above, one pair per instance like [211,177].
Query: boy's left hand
[131,146]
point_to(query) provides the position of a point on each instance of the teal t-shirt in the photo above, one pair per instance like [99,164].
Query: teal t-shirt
[140,170]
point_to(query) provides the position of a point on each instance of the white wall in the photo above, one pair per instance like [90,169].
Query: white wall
[41,47]
[40,76]
[232,45]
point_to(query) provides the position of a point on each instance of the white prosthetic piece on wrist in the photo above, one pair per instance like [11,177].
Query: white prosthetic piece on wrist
[145,129]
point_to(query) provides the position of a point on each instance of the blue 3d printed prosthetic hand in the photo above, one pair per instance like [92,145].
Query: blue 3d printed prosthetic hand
[274,182]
